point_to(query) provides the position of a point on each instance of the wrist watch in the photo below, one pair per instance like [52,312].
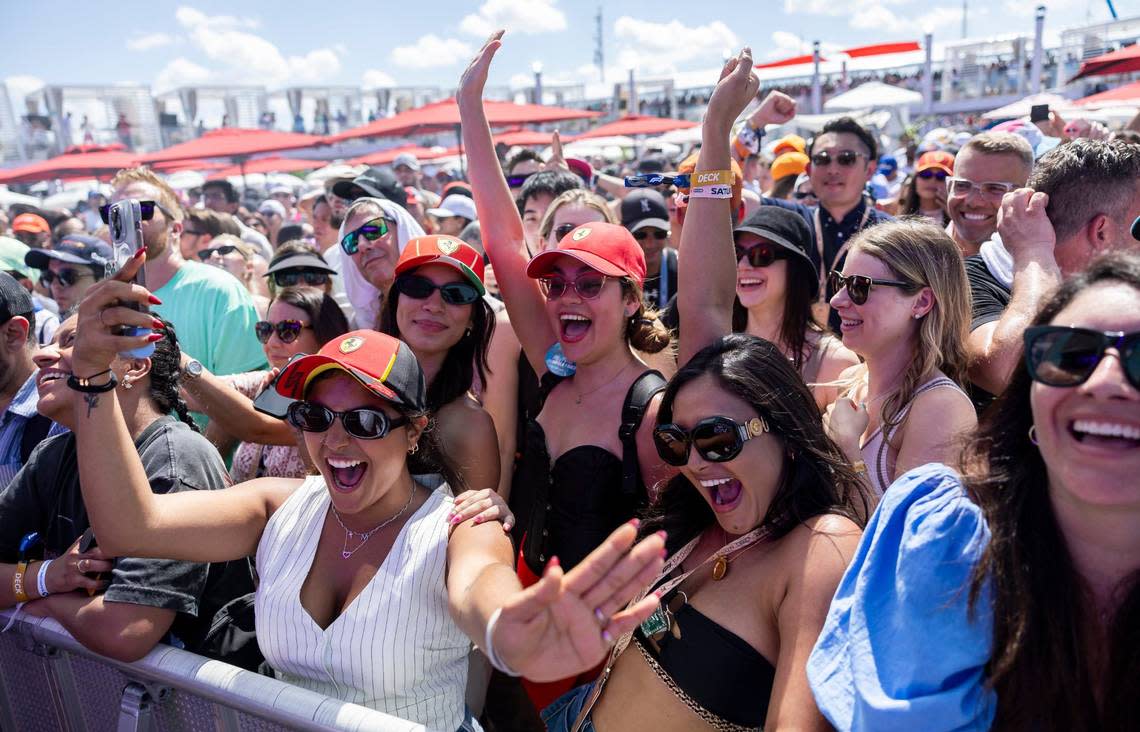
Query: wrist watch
[193,369]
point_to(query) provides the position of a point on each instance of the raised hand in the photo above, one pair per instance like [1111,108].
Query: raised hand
[557,160]
[735,90]
[566,623]
[474,78]
[776,109]
[100,314]
[1024,226]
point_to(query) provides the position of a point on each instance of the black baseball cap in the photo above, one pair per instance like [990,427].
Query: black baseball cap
[299,260]
[644,207]
[373,182]
[782,227]
[14,300]
[75,249]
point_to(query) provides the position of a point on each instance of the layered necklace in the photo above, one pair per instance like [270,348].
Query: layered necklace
[345,553]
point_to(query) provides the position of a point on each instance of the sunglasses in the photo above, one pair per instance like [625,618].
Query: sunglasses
[759,255]
[1060,356]
[562,230]
[588,285]
[962,187]
[936,174]
[66,277]
[223,250]
[846,158]
[516,181]
[287,330]
[657,234]
[717,439]
[293,277]
[146,210]
[371,231]
[364,424]
[859,286]
[421,288]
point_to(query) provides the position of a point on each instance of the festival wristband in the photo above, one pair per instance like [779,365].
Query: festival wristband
[713,191]
[712,177]
[489,647]
[18,582]
[41,579]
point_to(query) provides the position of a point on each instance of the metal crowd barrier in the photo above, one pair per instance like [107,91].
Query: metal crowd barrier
[49,682]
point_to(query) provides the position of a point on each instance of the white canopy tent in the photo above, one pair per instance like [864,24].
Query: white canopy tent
[874,95]
[1022,107]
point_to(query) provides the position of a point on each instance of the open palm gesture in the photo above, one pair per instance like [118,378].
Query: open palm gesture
[474,78]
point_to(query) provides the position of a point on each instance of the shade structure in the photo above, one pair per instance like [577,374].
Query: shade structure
[635,124]
[526,138]
[268,165]
[873,95]
[385,157]
[882,49]
[1121,61]
[1022,107]
[444,115]
[234,143]
[1122,96]
[70,165]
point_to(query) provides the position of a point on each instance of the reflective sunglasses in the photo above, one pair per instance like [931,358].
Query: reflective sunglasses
[962,187]
[146,210]
[66,277]
[516,181]
[421,288]
[287,330]
[760,255]
[371,231]
[846,158]
[859,286]
[588,285]
[222,251]
[1057,355]
[717,439]
[294,277]
[364,424]
[657,234]
[931,173]
[562,230]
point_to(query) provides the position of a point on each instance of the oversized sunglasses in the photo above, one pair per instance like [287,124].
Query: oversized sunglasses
[657,234]
[759,255]
[222,251]
[287,330]
[371,231]
[716,439]
[66,277]
[365,424]
[859,286]
[936,174]
[846,158]
[421,288]
[588,285]
[146,210]
[562,230]
[1057,355]
[294,277]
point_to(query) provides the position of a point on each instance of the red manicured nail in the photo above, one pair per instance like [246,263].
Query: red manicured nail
[157,324]
[139,253]
[663,535]
[634,523]
[478,519]
[154,337]
[664,552]
[154,300]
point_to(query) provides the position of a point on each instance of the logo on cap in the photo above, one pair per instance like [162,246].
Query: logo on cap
[581,234]
[353,343]
[448,246]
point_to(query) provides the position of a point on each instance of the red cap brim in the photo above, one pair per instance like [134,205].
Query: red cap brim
[543,263]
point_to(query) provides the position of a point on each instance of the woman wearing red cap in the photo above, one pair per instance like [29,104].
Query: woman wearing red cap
[366,592]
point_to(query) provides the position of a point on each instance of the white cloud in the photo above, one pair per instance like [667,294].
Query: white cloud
[674,41]
[877,17]
[20,87]
[181,72]
[431,51]
[898,17]
[517,16]
[149,41]
[377,79]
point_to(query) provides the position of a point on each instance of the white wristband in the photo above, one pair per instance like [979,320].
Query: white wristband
[41,579]
[713,191]
[489,648]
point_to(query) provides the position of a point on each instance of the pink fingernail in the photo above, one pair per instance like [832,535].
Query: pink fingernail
[664,552]
[663,535]
[659,593]
[635,523]
[478,519]
[554,562]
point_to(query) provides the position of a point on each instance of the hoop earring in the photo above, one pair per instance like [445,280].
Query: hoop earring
[415,448]
[1033,434]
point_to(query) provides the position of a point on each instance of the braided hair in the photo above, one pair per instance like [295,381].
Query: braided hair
[166,376]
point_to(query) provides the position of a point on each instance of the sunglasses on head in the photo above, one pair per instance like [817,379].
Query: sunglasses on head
[66,277]
[931,173]
[222,251]
[421,288]
[363,423]
[657,234]
[716,439]
[588,285]
[287,330]
[859,286]
[1057,355]
[846,158]
[373,230]
[760,255]
[146,210]
[516,181]
[294,277]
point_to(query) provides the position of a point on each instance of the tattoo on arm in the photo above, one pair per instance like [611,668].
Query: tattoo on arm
[92,402]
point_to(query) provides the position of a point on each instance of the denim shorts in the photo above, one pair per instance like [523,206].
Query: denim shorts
[563,712]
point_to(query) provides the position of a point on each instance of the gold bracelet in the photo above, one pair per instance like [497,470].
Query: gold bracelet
[18,582]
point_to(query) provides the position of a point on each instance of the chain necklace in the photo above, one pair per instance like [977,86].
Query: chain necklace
[366,535]
[721,558]
[581,395]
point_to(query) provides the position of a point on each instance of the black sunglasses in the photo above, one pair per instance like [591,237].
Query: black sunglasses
[294,277]
[421,288]
[801,195]
[717,439]
[760,255]
[222,251]
[371,231]
[939,174]
[846,158]
[657,234]
[516,181]
[364,424]
[146,210]
[859,286]
[588,285]
[66,277]
[287,330]
[1057,355]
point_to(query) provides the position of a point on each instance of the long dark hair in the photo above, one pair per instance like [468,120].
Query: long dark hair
[327,318]
[463,360]
[166,376]
[1043,665]
[909,202]
[796,323]
[815,477]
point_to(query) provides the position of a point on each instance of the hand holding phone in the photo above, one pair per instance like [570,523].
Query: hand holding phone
[125,222]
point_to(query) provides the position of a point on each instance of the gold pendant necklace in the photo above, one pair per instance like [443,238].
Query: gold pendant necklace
[720,568]
[578,398]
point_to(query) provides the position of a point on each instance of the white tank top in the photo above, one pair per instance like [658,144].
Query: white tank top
[395,647]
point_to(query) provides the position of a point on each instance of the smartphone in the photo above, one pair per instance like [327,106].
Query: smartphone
[125,222]
[269,401]
[87,543]
[1039,113]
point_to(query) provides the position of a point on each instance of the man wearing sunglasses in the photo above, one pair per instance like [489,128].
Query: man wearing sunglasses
[644,213]
[69,269]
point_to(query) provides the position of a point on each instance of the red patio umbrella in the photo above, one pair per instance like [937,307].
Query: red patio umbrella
[636,124]
[234,143]
[100,163]
[268,165]
[527,138]
[1120,96]
[385,157]
[1117,62]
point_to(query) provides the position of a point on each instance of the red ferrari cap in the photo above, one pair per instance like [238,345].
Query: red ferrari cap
[608,248]
[447,250]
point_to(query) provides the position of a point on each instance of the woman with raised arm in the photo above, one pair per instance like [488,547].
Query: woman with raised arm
[577,311]
[762,519]
[385,623]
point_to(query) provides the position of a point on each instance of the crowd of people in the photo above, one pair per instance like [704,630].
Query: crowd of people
[783,434]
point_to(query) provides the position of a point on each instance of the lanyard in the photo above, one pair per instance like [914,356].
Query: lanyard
[824,267]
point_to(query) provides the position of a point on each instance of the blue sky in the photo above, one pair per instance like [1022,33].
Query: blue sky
[357,42]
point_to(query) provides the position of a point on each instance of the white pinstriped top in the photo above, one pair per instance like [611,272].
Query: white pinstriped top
[395,647]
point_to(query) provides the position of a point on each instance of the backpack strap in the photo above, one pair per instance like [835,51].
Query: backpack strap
[637,399]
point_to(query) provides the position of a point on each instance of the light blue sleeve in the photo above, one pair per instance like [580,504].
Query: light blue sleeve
[232,318]
[899,649]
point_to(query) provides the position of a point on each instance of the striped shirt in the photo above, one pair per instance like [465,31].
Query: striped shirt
[395,647]
[12,423]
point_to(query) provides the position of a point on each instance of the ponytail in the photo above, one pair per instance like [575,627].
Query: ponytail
[166,375]
[645,331]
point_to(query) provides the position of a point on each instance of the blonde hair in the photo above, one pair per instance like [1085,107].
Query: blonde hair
[921,253]
[142,174]
[244,249]
[575,197]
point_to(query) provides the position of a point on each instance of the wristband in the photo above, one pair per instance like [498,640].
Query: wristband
[85,386]
[712,191]
[712,177]
[489,648]
[41,579]
[18,582]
